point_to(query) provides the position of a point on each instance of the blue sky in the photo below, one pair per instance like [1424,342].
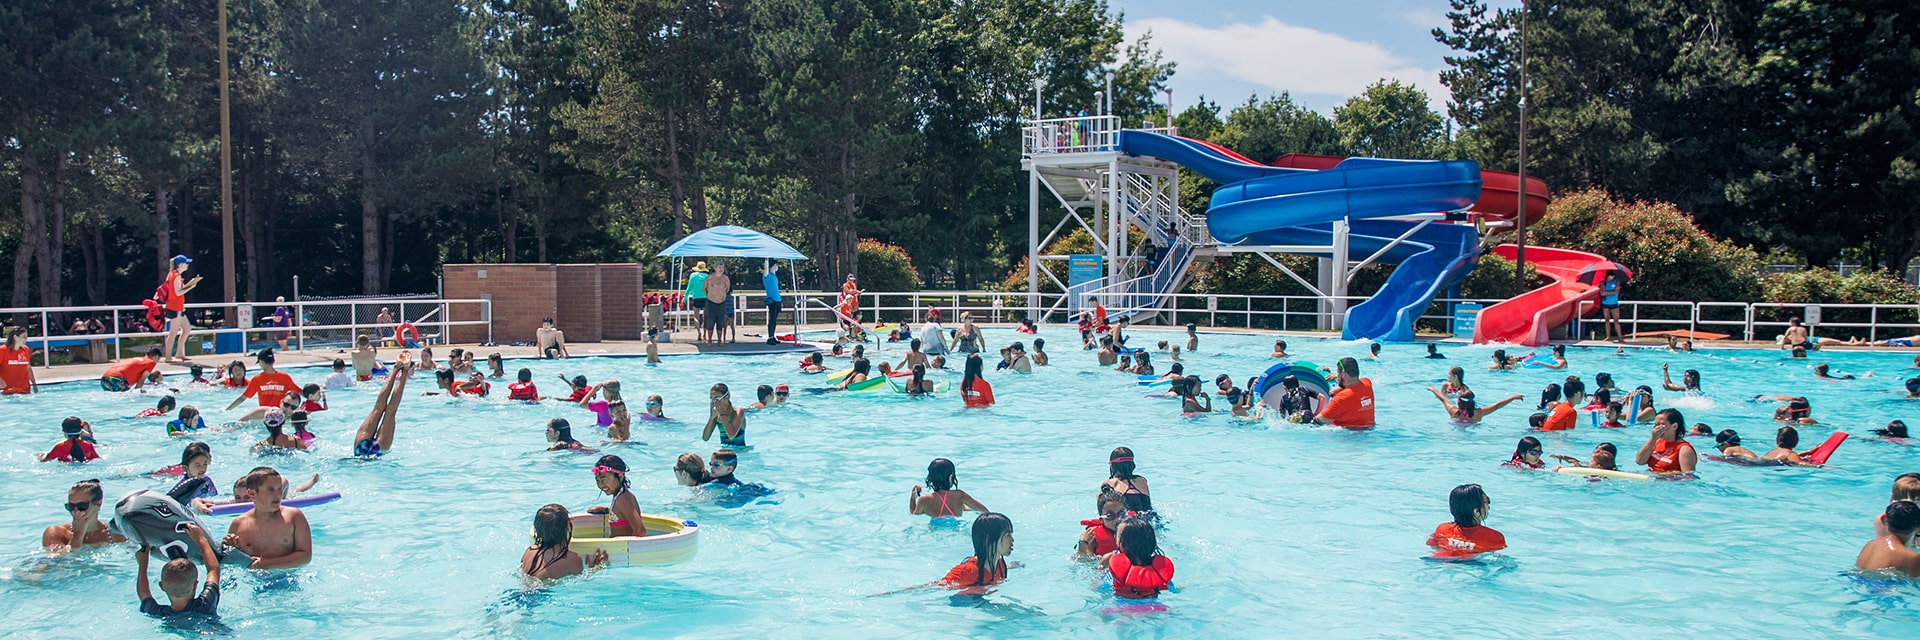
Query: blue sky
[1321,52]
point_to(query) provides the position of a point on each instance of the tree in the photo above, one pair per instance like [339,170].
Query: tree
[1389,120]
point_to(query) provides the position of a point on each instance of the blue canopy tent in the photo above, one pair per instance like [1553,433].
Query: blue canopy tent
[728,241]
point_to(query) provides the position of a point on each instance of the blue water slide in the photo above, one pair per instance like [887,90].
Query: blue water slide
[1263,205]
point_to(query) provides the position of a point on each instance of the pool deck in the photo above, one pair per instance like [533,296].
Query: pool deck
[749,345]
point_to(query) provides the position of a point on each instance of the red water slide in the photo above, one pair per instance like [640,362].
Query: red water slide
[1526,319]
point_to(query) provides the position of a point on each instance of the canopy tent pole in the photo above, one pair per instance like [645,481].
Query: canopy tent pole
[794,276]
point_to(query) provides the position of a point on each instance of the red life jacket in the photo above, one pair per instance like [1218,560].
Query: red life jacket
[1103,542]
[523,391]
[1139,583]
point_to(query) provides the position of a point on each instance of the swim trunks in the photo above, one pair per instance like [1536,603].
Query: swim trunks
[114,383]
[368,448]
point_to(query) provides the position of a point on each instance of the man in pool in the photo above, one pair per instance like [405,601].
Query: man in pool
[1352,404]
[1892,550]
[1667,452]
[277,537]
[270,385]
[131,373]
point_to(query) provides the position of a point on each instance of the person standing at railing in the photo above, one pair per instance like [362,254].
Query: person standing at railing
[1610,305]
[770,280]
[281,318]
[16,365]
[174,310]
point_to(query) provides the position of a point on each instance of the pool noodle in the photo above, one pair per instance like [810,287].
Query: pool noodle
[1604,473]
[232,508]
[1820,454]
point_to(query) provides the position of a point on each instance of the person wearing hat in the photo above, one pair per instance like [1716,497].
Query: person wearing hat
[696,296]
[75,444]
[850,298]
[174,310]
[269,386]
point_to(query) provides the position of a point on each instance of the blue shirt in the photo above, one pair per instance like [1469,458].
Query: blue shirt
[771,281]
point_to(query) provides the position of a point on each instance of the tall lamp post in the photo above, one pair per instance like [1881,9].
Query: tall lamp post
[1520,228]
[226,175]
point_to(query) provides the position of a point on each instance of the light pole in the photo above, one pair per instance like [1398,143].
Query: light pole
[226,174]
[1520,227]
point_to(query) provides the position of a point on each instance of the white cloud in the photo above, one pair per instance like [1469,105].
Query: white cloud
[1283,57]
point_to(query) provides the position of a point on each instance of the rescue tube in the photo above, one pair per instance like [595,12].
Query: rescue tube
[668,541]
[232,508]
[1604,473]
[400,333]
[1820,454]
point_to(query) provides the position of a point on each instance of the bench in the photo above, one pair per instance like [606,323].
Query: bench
[82,348]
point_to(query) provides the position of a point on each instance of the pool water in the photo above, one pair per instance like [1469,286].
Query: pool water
[1276,529]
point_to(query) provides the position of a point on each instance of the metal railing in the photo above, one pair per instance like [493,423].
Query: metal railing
[317,323]
[1082,134]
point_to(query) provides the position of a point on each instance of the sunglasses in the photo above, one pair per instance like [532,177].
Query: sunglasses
[1532,452]
[79,506]
[779,393]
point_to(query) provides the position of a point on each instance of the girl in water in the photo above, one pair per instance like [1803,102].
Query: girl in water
[657,410]
[690,469]
[560,433]
[548,557]
[194,461]
[1456,382]
[919,384]
[1098,540]
[1121,479]
[1689,381]
[860,370]
[974,390]
[188,422]
[944,501]
[1139,571]
[1039,352]
[1192,399]
[1501,362]
[731,420]
[1463,411]
[992,543]
[1526,455]
[623,515]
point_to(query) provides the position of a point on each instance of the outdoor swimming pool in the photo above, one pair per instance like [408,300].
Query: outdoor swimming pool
[1276,529]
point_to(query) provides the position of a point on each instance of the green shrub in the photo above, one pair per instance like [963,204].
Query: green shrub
[1791,290]
[1492,278]
[886,267]
[1671,258]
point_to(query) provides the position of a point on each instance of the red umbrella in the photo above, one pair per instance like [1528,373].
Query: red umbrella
[1592,272]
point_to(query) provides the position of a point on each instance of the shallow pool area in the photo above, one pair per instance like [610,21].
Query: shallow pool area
[1276,529]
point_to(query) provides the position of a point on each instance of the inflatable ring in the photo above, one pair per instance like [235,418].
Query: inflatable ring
[668,540]
[400,332]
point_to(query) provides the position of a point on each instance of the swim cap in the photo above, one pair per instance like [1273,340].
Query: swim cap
[274,417]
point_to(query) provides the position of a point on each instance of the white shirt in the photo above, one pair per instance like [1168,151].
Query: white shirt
[340,380]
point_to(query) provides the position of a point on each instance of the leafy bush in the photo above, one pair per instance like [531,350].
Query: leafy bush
[1671,258]
[886,267]
[1823,286]
[1492,278]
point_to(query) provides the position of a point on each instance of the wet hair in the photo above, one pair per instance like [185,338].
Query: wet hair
[1906,486]
[179,572]
[814,358]
[1549,395]
[693,464]
[188,412]
[257,476]
[1432,348]
[92,488]
[445,376]
[1374,348]
[524,375]
[1282,344]
[1039,344]
[1465,404]
[495,359]
[726,457]
[198,370]
[1560,350]
[1913,385]
[1673,416]
[861,366]
[1120,464]
[1500,357]
[940,475]
[1527,443]
[1465,502]
[1602,396]
[859,351]
[338,365]
[615,463]
[1106,497]
[914,344]
[1903,517]
[1786,438]
[167,403]
[1191,327]
[195,450]
[551,529]
[611,389]
[1613,454]
[1536,420]
[1456,374]
[1136,539]
[1690,379]
[1602,380]
[1895,429]
[1290,382]
[562,430]
[987,531]
[919,373]
[974,366]
[1176,369]
[1727,437]
[299,421]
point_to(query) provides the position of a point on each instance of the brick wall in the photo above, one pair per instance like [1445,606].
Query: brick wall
[591,302]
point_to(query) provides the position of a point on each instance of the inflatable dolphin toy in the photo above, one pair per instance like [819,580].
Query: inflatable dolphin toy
[157,522]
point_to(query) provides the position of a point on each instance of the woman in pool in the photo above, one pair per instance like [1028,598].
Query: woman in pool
[1603,458]
[813,364]
[1279,349]
[1192,399]
[425,362]
[1466,536]
[918,384]
[974,390]
[1456,381]
[690,469]
[944,501]
[992,543]
[1689,381]
[548,558]
[1121,479]
[560,433]
[1501,362]
[1728,442]
[623,515]
[731,420]
[860,370]
[967,338]
[1667,452]
[1463,411]
[1526,455]
[1098,539]
[1138,570]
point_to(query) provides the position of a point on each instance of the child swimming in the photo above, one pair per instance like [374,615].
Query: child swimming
[560,433]
[276,536]
[1098,538]
[548,557]
[1138,570]
[1526,455]
[992,543]
[188,422]
[943,501]
[178,578]
[731,420]
[523,389]
[623,515]
[1728,442]
[1466,536]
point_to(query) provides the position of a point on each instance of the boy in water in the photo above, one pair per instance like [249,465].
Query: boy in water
[1891,549]
[275,536]
[178,578]
[720,469]
[339,379]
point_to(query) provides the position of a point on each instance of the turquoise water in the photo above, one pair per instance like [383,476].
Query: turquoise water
[1276,529]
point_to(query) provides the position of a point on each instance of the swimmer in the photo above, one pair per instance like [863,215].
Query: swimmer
[720,468]
[1526,455]
[1549,396]
[992,543]
[197,376]
[523,389]
[1098,538]
[1615,417]
[765,395]
[1279,349]
[1244,406]
[1137,569]
[1603,458]
[1666,452]
[938,362]
[1700,429]
[188,421]
[1192,399]
[657,409]
[276,422]
[1297,403]
[1784,441]
[1039,352]
[1906,486]
[1193,337]
[75,443]
[178,578]
[425,360]
[860,371]
[496,366]
[1233,395]
[1467,535]
[1913,387]
[942,500]
[1647,412]
[1603,381]
[918,384]
[85,529]
[164,407]
[1161,346]
[1894,430]
[560,433]
[1433,352]
[731,420]
[690,469]
[603,409]
[623,515]
[1121,479]
[475,385]
[1456,381]
[1142,363]
[1106,355]
[1820,371]
[234,375]
[1019,361]
[1373,351]
[374,438]
[1893,549]
[275,536]
[313,398]
[975,392]
[194,460]
[622,427]
[1464,411]
[364,354]
[814,364]
[1728,442]
[548,558]
[1501,362]
[913,357]
[1559,358]
[339,379]
[1796,410]
[1689,380]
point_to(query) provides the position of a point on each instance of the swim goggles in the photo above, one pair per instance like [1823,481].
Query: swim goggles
[606,469]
